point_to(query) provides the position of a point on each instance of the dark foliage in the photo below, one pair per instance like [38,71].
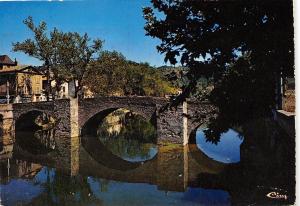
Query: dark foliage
[244,46]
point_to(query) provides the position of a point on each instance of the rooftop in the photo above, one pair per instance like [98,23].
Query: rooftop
[5,60]
[25,69]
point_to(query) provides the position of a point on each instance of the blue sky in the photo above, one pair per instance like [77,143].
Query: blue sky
[118,22]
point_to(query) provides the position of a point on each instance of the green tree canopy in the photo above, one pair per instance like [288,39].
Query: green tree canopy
[244,46]
[107,74]
[112,74]
[65,55]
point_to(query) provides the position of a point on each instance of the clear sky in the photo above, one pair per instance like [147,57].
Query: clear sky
[118,22]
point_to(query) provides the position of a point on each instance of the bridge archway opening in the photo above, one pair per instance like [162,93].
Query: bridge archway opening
[35,132]
[115,119]
[124,133]
[224,149]
[26,121]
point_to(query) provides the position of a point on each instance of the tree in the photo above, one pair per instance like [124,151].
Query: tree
[65,56]
[244,46]
[40,47]
[112,74]
[106,76]
[75,54]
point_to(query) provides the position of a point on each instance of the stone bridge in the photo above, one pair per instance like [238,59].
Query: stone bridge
[74,116]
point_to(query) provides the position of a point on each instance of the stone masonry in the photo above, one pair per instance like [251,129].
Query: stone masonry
[173,125]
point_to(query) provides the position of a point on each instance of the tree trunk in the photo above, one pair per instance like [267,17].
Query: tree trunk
[48,90]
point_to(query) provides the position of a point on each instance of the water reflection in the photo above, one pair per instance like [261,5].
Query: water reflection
[227,150]
[53,187]
[118,193]
[128,135]
[91,172]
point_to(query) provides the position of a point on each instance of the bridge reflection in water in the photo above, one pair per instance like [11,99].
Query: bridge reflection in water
[90,171]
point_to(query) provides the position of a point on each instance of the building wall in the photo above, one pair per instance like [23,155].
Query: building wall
[36,81]
[5,67]
[64,91]
[35,84]
[21,81]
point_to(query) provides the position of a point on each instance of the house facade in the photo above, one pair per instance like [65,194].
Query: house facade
[22,81]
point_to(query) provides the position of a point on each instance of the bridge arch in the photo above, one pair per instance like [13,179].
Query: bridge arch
[88,126]
[97,140]
[32,135]
[22,108]
[98,115]
[25,120]
[88,108]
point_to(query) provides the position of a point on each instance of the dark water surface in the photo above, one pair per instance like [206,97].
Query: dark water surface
[123,165]
[227,150]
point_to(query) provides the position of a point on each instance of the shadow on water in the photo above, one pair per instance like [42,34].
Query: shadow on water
[265,169]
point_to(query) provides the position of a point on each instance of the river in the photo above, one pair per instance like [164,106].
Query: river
[122,165]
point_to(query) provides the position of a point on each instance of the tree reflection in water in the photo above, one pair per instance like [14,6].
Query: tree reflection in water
[128,135]
[193,178]
[61,189]
[226,150]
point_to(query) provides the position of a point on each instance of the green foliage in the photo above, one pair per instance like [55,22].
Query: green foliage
[207,36]
[175,75]
[112,74]
[243,46]
[74,54]
[40,47]
[66,56]
[178,79]
[106,75]
[71,57]
[147,81]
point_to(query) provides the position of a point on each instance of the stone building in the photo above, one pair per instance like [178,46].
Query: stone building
[22,81]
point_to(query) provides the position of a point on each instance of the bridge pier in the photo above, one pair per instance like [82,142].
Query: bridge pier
[67,133]
[175,125]
[75,139]
[172,166]
[7,136]
[172,126]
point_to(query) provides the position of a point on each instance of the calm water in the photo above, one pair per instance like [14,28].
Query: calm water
[47,188]
[227,150]
[122,165]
